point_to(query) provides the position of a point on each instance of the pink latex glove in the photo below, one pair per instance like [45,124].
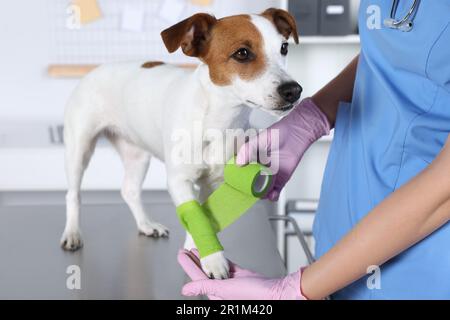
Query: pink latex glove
[305,124]
[242,285]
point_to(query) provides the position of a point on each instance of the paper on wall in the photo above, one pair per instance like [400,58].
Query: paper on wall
[89,10]
[201,2]
[132,18]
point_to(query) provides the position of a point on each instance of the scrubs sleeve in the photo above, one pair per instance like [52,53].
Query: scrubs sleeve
[438,65]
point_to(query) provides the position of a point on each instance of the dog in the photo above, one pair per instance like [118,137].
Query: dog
[138,107]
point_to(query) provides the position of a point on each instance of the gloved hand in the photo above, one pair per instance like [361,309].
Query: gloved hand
[305,124]
[242,285]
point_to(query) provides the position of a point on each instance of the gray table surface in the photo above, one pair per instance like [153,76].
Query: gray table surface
[115,263]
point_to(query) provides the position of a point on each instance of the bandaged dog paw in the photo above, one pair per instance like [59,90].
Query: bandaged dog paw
[216,266]
[71,240]
[153,229]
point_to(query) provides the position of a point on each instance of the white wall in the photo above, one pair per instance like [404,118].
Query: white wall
[28,94]
[30,100]
[313,65]
[26,90]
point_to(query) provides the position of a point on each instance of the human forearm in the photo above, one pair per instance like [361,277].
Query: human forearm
[406,217]
[337,90]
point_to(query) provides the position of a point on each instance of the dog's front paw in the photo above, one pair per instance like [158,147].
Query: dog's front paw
[153,229]
[216,266]
[71,240]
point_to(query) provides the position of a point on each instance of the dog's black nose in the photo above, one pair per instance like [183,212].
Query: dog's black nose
[290,91]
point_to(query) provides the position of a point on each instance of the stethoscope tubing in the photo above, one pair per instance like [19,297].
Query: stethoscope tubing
[406,18]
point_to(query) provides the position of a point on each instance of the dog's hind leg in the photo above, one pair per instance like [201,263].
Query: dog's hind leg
[79,149]
[136,162]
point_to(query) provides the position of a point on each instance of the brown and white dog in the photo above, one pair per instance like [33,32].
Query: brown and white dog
[140,106]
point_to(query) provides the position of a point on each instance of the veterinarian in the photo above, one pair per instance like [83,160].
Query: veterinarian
[385,198]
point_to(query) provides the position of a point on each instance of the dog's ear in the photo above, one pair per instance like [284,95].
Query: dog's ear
[191,34]
[283,21]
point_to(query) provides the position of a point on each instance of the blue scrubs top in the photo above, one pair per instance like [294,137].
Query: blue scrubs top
[397,123]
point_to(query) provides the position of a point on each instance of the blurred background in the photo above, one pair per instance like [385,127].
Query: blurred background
[45,52]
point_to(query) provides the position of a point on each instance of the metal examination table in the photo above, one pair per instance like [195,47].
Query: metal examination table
[115,263]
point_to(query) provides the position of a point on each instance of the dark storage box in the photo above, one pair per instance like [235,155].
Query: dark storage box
[306,13]
[335,18]
[325,17]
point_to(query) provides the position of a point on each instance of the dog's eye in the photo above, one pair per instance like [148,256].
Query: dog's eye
[284,48]
[242,55]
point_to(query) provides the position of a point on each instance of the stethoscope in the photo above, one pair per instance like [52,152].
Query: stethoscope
[405,24]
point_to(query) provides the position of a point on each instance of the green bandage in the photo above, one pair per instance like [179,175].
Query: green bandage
[242,188]
[195,219]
